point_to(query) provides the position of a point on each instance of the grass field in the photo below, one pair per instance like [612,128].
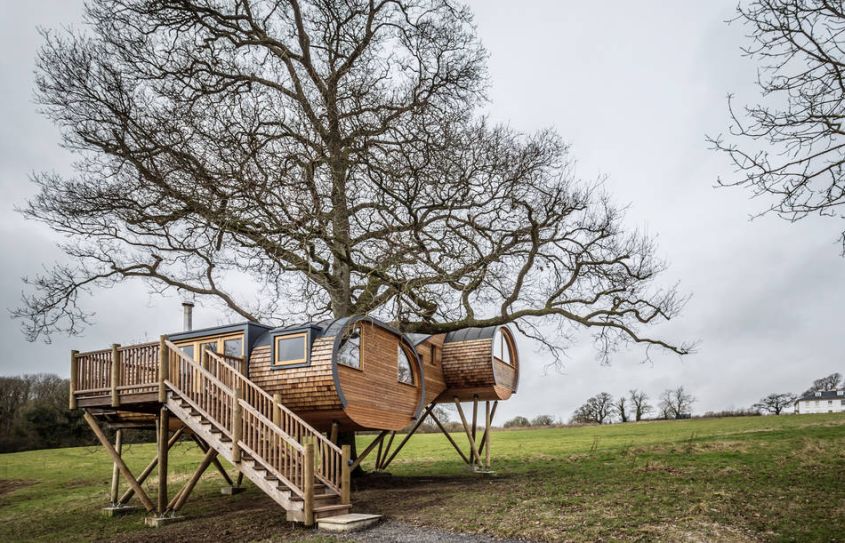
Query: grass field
[733,479]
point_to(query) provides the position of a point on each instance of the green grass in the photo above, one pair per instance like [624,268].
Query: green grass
[733,479]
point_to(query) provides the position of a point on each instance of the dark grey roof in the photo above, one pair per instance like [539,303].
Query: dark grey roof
[469,334]
[416,339]
[825,395]
[213,330]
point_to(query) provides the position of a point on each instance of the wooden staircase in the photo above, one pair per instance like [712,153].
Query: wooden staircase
[294,464]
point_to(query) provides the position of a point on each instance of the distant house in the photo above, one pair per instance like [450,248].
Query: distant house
[823,401]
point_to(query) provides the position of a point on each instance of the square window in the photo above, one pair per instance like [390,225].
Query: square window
[233,347]
[290,349]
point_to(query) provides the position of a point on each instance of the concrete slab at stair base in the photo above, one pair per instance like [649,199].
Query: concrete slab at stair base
[118,510]
[231,490]
[158,522]
[350,522]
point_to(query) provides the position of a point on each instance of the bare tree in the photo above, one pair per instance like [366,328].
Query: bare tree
[830,382]
[675,403]
[335,155]
[791,144]
[639,400]
[596,410]
[775,403]
[542,420]
[620,408]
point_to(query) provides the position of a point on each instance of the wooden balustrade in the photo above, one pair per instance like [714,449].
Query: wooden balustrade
[257,422]
[328,456]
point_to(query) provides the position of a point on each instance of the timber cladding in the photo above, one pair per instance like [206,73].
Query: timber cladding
[374,396]
[469,370]
[304,388]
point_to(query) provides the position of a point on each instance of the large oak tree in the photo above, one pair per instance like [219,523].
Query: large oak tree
[334,153]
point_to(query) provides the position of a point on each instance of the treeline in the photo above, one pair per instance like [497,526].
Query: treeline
[34,414]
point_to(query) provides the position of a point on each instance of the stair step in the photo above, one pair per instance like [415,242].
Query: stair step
[331,510]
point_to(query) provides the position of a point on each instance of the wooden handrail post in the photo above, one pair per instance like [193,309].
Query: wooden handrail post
[237,426]
[345,475]
[115,374]
[308,485]
[74,371]
[163,369]
[277,410]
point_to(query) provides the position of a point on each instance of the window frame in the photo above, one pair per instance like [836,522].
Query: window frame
[298,362]
[219,343]
[360,327]
[401,348]
[508,342]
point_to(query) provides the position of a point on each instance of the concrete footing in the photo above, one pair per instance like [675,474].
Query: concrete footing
[158,522]
[231,490]
[348,523]
[118,510]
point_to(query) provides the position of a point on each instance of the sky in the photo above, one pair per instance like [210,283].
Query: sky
[634,87]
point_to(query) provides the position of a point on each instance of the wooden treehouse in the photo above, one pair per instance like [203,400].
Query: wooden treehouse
[273,402]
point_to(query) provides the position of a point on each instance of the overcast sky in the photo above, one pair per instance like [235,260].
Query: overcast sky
[634,87]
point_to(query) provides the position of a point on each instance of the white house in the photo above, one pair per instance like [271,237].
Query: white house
[827,401]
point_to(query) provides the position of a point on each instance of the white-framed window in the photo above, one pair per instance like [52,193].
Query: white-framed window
[404,372]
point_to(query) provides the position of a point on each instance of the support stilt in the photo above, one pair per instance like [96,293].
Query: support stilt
[150,467]
[101,436]
[163,434]
[449,437]
[215,461]
[179,500]
[115,474]
[474,456]
[380,466]
[368,450]
[413,430]
[487,432]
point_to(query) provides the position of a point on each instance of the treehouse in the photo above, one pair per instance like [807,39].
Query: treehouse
[274,402]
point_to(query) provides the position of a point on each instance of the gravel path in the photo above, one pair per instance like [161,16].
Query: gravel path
[392,531]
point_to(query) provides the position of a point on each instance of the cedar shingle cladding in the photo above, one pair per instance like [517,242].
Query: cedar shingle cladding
[307,388]
[469,369]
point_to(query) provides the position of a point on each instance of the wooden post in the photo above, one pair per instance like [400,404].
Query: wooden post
[115,374]
[368,450]
[345,475]
[163,434]
[475,417]
[115,473]
[446,433]
[409,434]
[151,466]
[92,422]
[180,500]
[380,466]
[74,371]
[487,433]
[334,432]
[484,435]
[216,461]
[308,484]
[163,369]
[277,410]
[237,426]
[473,449]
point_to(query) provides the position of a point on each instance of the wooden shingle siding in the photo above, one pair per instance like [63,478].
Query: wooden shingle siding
[304,388]
[374,396]
[469,370]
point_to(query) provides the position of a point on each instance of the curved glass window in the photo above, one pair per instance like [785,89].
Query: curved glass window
[404,373]
[349,352]
[503,347]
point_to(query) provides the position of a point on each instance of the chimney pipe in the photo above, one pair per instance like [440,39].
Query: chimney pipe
[187,316]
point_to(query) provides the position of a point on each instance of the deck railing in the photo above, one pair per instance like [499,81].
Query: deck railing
[254,420]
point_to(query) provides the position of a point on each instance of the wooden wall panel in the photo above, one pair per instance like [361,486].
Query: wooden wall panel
[302,389]
[374,396]
[470,370]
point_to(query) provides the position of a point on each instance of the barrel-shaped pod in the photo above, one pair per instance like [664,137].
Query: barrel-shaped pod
[480,362]
[356,372]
